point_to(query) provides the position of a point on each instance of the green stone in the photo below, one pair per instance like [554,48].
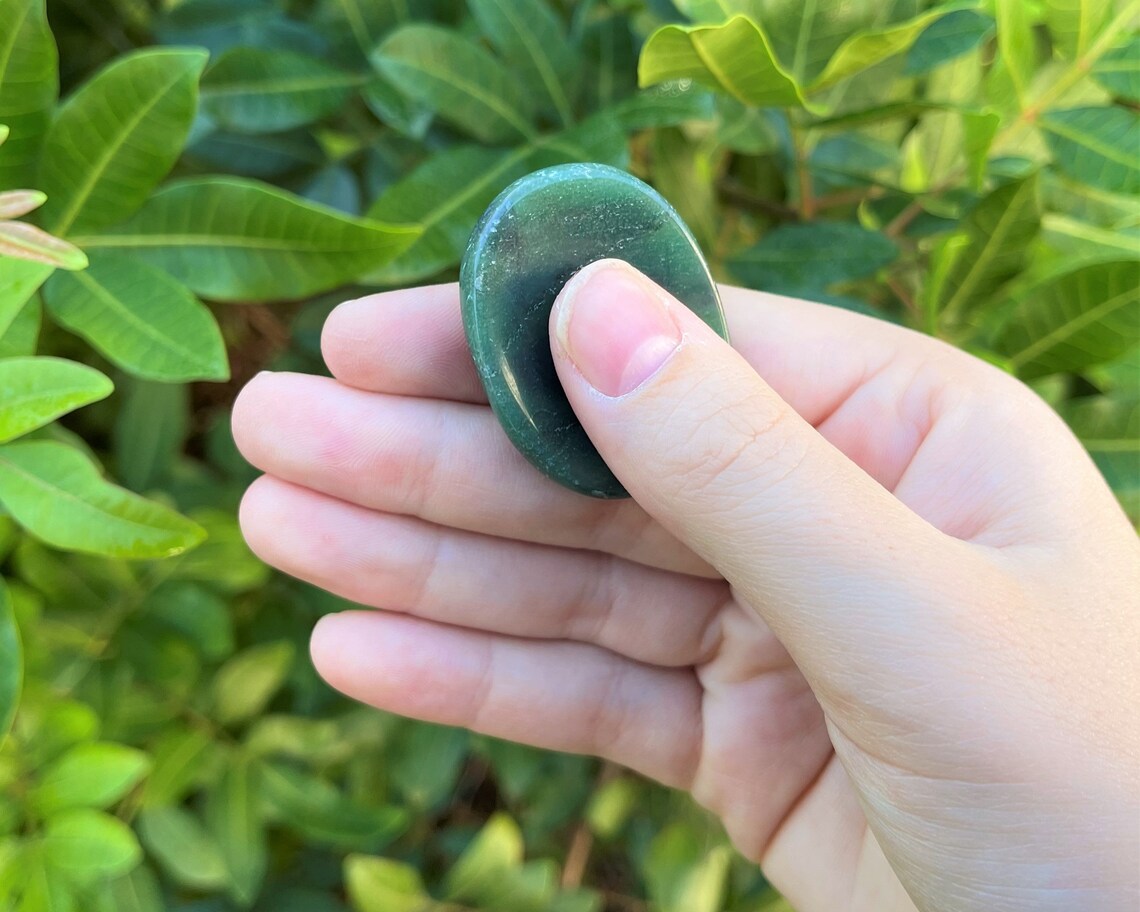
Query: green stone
[535,235]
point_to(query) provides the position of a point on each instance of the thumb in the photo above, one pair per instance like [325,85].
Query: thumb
[806,537]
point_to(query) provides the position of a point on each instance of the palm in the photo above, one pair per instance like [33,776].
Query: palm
[526,611]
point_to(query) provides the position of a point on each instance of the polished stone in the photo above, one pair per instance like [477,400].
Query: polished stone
[530,241]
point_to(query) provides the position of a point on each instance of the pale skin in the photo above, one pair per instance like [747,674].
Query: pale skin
[871,603]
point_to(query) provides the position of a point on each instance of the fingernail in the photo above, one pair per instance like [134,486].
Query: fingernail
[613,324]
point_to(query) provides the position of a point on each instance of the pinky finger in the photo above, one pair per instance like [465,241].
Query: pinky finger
[557,695]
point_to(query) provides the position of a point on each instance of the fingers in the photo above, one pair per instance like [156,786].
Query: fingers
[712,452]
[556,695]
[460,578]
[446,462]
[408,342]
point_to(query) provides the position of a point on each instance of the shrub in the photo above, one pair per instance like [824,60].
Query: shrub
[222,171]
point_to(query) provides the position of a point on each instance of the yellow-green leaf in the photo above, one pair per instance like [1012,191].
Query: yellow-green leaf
[1097,146]
[91,775]
[89,847]
[59,496]
[11,662]
[735,57]
[36,391]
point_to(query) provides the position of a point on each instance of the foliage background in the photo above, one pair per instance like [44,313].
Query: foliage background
[218,176]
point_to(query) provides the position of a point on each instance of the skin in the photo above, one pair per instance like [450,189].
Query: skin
[871,602]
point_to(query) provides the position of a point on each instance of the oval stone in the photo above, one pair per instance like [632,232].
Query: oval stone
[535,235]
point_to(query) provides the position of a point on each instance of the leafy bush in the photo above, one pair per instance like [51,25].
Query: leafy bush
[221,170]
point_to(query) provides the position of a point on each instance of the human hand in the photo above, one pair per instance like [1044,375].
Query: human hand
[877,610]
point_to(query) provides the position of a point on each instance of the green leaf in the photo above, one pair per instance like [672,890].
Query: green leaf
[383,885]
[36,391]
[232,817]
[89,847]
[93,775]
[150,431]
[999,231]
[683,874]
[497,849]
[19,280]
[736,58]
[956,33]
[180,844]
[1074,24]
[458,80]
[533,40]
[247,682]
[1080,319]
[1098,146]
[1085,243]
[394,109]
[666,105]
[865,49]
[29,84]
[322,814]
[1119,71]
[21,337]
[44,889]
[140,318]
[117,137]
[11,662]
[58,495]
[799,259]
[236,240]
[425,763]
[178,759]
[259,91]
[682,172]
[137,892]
[1120,376]
[1016,44]
[27,242]
[1109,428]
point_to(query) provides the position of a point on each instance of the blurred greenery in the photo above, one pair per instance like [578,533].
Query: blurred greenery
[220,172]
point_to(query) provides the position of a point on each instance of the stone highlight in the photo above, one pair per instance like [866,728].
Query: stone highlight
[535,235]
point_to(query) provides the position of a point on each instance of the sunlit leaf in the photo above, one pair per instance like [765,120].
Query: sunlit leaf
[1016,44]
[236,240]
[260,91]
[91,775]
[1099,146]
[36,391]
[865,49]
[58,495]
[497,849]
[117,137]
[1080,319]
[683,874]
[533,40]
[458,80]
[736,58]
[384,885]
[1074,24]
[88,847]
[29,83]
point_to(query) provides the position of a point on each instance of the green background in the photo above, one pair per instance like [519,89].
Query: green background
[219,173]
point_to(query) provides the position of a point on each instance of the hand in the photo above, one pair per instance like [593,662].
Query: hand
[871,602]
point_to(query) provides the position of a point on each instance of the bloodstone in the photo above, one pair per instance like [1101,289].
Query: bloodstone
[535,235]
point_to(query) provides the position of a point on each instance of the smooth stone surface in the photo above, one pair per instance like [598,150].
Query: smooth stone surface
[530,241]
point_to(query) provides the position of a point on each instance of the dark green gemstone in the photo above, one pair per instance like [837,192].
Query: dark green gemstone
[530,241]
